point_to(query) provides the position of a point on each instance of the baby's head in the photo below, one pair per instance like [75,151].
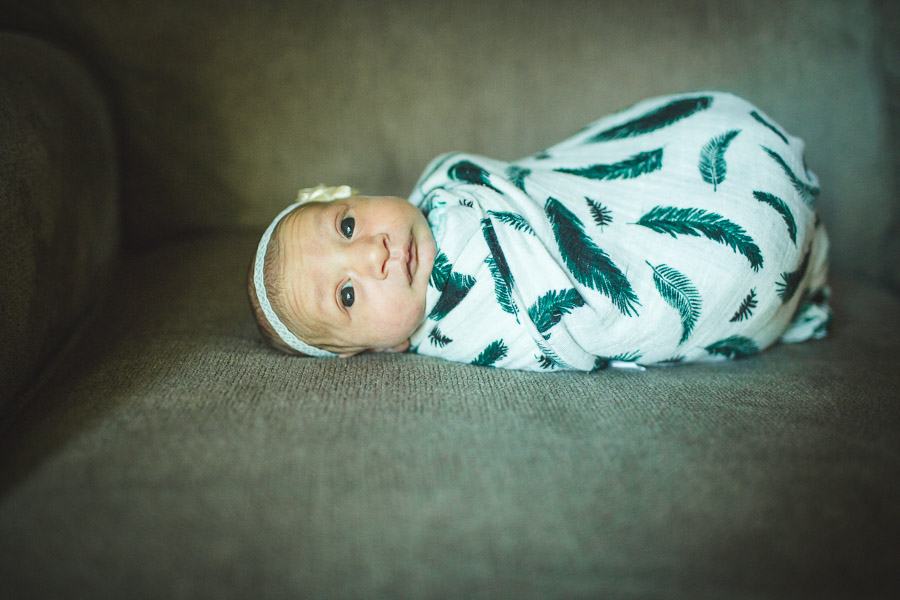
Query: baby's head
[342,274]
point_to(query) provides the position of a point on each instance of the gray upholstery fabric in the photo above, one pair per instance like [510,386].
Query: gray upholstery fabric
[172,454]
[888,61]
[165,452]
[226,109]
[58,204]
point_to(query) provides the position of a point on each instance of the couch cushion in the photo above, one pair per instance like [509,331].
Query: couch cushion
[58,205]
[173,454]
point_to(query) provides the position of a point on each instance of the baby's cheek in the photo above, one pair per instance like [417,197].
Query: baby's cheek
[410,315]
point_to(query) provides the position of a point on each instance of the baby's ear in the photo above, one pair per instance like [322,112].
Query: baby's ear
[401,347]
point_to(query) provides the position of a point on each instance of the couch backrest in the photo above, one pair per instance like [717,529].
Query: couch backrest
[58,205]
[226,109]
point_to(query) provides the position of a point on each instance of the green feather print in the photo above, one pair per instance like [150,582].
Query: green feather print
[782,208]
[635,166]
[697,222]
[745,310]
[548,352]
[495,351]
[512,219]
[807,192]
[589,265]
[550,308]
[760,119]
[440,271]
[679,293]
[496,262]
[438,339]
[736,346]
[791,280]
[469,172]
[545,362]
[712,158]
[599,213]
[455,289]
[672,360]
[655,119]
[517,175]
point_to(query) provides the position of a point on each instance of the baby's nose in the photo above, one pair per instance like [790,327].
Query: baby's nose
[375,255]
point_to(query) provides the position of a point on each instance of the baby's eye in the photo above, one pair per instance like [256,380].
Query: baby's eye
[347,294]
[347,225]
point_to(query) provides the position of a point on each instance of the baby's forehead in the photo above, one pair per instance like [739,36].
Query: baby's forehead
[304,222]
[302,283]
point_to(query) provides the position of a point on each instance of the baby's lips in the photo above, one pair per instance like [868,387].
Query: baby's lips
[413,259]
[409,261]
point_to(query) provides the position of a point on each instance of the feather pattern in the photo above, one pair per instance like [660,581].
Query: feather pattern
[655,119]
[601,215]
[697,222]
[808,193]
[672,360]
[495,351]
[782,208]
[514,220]
[736,346]
[586,262]
[678,291]
[745,310]
[455,289]
[517,175]
[438,339]
[496,262]
[468,172]
[629,168]
[760,119]
[547,351]
[545,362]
[791,280]
[712,158]
[440,271]
[550,308]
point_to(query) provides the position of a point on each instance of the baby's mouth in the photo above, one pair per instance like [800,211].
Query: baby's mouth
[412,259]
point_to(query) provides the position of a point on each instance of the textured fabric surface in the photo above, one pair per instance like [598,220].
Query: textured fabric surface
[655,235]
[888,61]
[172,454]
[58,204]
[226,109]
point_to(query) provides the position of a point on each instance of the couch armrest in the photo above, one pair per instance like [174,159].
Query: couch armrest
[58,205]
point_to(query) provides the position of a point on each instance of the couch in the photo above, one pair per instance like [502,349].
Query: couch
[153,446]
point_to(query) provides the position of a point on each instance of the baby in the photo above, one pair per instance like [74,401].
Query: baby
[681,229]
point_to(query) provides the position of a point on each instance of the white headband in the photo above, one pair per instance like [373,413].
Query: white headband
[319,194]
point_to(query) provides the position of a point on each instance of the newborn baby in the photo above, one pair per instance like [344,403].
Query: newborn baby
[681,229]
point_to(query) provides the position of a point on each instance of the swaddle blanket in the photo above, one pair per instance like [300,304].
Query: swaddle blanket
[681,229]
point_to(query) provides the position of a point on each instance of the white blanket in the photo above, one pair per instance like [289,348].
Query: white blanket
[680,229]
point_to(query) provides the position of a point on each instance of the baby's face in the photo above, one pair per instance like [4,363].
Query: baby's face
[357,269]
